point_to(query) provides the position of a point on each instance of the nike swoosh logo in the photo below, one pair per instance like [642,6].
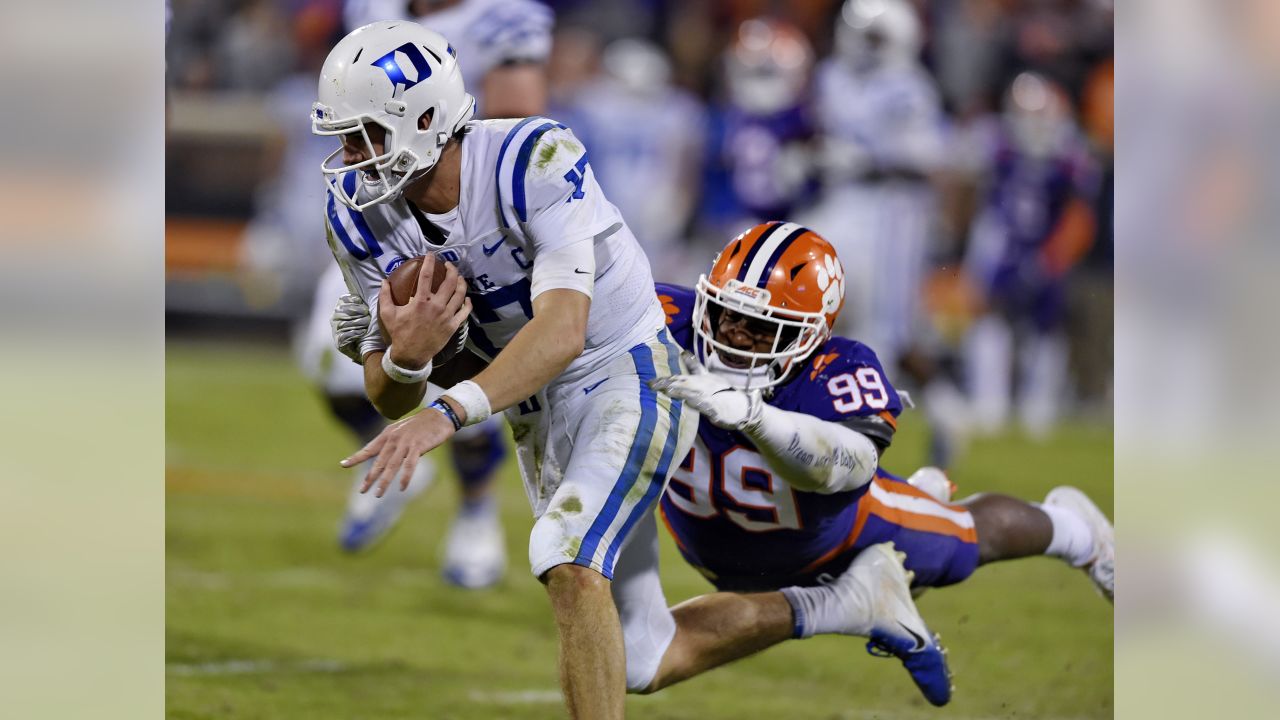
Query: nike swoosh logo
[581,272]
[489,251]
[920,643]
[593,387]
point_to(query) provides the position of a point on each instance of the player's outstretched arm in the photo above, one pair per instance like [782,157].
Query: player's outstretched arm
[812,454]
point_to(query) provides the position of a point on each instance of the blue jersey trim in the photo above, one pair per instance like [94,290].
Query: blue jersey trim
[751,254]
[370,242]
[341,231]
[502,153]
[643,359]
[658,481]
[777,253]
[522,166]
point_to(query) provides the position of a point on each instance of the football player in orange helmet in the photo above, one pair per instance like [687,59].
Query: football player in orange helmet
[782,503]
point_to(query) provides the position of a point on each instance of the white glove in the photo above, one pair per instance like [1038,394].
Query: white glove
[712,396]
[350,323]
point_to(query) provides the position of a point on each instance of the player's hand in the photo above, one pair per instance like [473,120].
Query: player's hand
[422,327]
[712,396]
[350,324]
[398,448]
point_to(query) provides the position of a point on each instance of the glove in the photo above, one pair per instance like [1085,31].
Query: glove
[350,323]
[712,396]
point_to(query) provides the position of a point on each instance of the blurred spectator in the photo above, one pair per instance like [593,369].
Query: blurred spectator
[1036,222]
[760,166]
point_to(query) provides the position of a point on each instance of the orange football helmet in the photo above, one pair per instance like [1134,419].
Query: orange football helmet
[781,273]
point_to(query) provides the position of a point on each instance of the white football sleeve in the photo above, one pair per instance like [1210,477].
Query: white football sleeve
[812,454]
[570,267]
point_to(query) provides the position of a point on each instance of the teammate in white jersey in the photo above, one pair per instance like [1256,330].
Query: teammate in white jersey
[558,298]
[646,138]
[502,46]
[880,116]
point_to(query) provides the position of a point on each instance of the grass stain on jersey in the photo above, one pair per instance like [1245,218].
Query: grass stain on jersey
[571,505]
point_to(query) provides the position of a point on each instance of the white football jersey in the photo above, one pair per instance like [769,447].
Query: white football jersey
[526,189]
[892,113]
[484,33]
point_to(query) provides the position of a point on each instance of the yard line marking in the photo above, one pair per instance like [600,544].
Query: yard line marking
[254,667]
[515,697]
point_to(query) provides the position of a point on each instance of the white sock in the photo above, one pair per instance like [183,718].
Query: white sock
[1072,540]
[818,610]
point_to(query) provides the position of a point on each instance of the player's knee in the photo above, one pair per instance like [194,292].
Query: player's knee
[571,581]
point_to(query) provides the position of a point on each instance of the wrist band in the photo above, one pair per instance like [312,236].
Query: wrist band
[403,375]
[442,406]
[472,399]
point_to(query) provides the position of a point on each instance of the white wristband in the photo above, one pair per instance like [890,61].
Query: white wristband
[473,401]
[403,375]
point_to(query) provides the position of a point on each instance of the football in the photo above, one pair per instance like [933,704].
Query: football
[404,285]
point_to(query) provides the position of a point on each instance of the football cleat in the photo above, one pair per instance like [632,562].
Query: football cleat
[878,583]
[369,518]
[1101,567]
[475,555]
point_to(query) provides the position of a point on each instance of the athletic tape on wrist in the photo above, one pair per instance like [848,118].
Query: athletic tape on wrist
[403,375]
[472,399]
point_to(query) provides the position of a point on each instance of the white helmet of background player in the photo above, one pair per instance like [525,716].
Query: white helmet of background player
[389,74]
[874,33]
[767,66]
[1038,113]
[639,65]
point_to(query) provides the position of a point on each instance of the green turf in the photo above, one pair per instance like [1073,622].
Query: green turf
[266,619]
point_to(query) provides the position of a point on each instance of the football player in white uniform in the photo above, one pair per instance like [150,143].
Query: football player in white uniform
[558,299]
[501,46]
[646,139]
[880,116]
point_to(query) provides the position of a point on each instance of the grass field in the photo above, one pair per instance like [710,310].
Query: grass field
[267,619]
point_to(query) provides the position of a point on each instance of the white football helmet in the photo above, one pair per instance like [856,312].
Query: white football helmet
[390,73]
[872,33]
[1039,114]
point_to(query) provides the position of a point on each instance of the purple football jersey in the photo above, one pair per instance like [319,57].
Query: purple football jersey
[732,517]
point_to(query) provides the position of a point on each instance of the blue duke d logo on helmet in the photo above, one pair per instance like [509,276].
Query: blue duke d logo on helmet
[395,73]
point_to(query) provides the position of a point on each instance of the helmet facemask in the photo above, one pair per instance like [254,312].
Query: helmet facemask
[383,175]
[796,334]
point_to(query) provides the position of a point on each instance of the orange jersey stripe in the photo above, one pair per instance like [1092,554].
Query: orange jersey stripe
[868,505]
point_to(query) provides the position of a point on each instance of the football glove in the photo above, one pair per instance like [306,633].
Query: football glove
[712,396]
[350,323]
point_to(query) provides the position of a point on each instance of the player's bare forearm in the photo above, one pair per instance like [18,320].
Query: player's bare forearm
[392,399]
[540,351]
[812,454]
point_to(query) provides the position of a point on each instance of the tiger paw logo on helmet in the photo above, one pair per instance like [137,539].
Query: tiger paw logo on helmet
[831,283]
